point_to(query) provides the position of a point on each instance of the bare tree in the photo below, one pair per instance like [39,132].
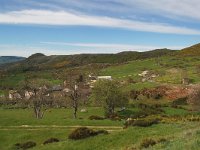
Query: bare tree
[75,95]
[75,92]
[40,103]
[39,100]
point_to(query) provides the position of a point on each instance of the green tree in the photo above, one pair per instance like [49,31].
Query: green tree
[109,94]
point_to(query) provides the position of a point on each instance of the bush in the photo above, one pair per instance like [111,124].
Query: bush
[147,143]
[145,122]
[162,140]
[125,114]
[180,101]
[142,122]
[140,114]
[152,111]
[93,117]
[83,132]
[193,99]
[25,145]
[102,132]
[157,96]
[144,112]
[51,140]
[115,117]
[193,118]
[134,94]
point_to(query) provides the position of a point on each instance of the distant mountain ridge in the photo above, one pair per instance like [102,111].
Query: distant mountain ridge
[39,61]
[10,59]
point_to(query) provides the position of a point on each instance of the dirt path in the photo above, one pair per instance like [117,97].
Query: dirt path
[50,127]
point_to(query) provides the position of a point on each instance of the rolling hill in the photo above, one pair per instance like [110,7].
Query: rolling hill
[41,62]
[10,59]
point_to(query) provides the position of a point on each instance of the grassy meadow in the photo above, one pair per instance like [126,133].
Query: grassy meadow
[19,125]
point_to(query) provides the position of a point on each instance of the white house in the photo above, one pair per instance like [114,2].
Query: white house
[104,78]
[28,94]
[94,79]
[144,73]
[14,95]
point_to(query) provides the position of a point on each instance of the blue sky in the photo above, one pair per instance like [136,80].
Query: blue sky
[96,26]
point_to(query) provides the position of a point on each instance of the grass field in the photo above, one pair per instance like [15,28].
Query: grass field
[132,68]
[122,139]
[19,125]
[61,117]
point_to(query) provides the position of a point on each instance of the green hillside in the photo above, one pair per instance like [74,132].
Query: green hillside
[42,62]
[191,51]
[169,70]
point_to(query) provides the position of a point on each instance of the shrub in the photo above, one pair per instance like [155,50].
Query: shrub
[140,114]
[83,132]
[194,100]
[162,140]
[115,117]
[134,94]
[142,106]
[125,114]
[102,132]
[93,117]
[17,146]
[193,118]
[142,122]
[156,96]
[51,140]
[145,122]
[144,112]
[152,111]
[180,101]
[25,145]
[147,143]
[155,93]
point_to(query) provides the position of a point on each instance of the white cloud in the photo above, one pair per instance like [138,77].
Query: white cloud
[168,8]
[187,8]
[46,17]
[111,46]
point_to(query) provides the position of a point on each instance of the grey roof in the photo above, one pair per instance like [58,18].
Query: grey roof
[57,88]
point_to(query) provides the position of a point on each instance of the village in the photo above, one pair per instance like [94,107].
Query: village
[61,90]
[58,90]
